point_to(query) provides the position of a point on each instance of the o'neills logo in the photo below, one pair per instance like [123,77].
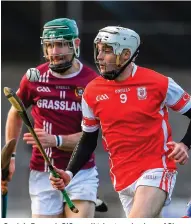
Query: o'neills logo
[79,91]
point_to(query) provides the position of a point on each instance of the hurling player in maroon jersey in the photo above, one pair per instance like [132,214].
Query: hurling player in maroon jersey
[56,109]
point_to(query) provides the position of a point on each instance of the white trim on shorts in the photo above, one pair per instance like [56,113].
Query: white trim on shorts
[45,200]
[160,178]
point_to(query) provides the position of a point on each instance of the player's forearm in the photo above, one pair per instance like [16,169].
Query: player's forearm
[13,125]
[83,151]
[70,141]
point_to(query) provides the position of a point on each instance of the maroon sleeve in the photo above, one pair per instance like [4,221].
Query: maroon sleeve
[25,92]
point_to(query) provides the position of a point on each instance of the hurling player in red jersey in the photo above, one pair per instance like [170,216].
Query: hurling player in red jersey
[130,104]
[56,109]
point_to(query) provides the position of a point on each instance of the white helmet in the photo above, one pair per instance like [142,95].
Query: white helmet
[119,38]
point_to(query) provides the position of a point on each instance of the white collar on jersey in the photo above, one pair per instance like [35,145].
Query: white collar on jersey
[134,69]
[69,75]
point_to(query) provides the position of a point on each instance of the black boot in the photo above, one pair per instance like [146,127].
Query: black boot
[101,206]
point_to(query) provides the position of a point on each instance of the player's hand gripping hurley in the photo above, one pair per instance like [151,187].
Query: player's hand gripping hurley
[18,105]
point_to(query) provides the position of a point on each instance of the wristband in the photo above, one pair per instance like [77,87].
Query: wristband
[59,140]
[13,155]
[55,136]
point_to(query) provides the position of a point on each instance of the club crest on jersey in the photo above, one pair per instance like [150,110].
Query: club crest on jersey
[186,97]
[79,91]
[141,93]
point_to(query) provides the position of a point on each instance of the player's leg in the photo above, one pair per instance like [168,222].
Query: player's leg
[83,192]
[152,191]
[47,216]
[86,209]
[46,202]
[148,202]
[126,197]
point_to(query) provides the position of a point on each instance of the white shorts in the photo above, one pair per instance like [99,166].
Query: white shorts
[154,177]
[45,200]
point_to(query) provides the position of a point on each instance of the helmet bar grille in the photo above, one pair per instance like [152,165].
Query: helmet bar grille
[55,27]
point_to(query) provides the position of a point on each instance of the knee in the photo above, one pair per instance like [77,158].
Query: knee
[142,213]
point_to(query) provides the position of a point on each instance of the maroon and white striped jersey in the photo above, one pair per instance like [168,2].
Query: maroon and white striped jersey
[56,107]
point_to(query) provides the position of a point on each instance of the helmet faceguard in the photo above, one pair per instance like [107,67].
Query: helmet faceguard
[119,39]
[63,31]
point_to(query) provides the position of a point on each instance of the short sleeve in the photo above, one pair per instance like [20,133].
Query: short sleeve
[177,99]
[89,121]
[24,92]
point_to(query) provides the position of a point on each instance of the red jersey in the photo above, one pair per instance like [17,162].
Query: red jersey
[133,115]
[56,108]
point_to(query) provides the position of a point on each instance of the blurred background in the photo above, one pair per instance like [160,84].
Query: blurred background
[165,30]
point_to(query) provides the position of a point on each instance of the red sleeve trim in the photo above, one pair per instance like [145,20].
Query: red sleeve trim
[185,98]
[90,122]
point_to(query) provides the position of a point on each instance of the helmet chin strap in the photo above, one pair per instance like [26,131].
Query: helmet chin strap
[112,75]
[61,68]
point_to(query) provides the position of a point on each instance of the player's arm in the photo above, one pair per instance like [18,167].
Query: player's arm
[80,156]
[88,141]
[66,143]
[13,125]
[14,122]
[12,130]
[180,101]
[82,151]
